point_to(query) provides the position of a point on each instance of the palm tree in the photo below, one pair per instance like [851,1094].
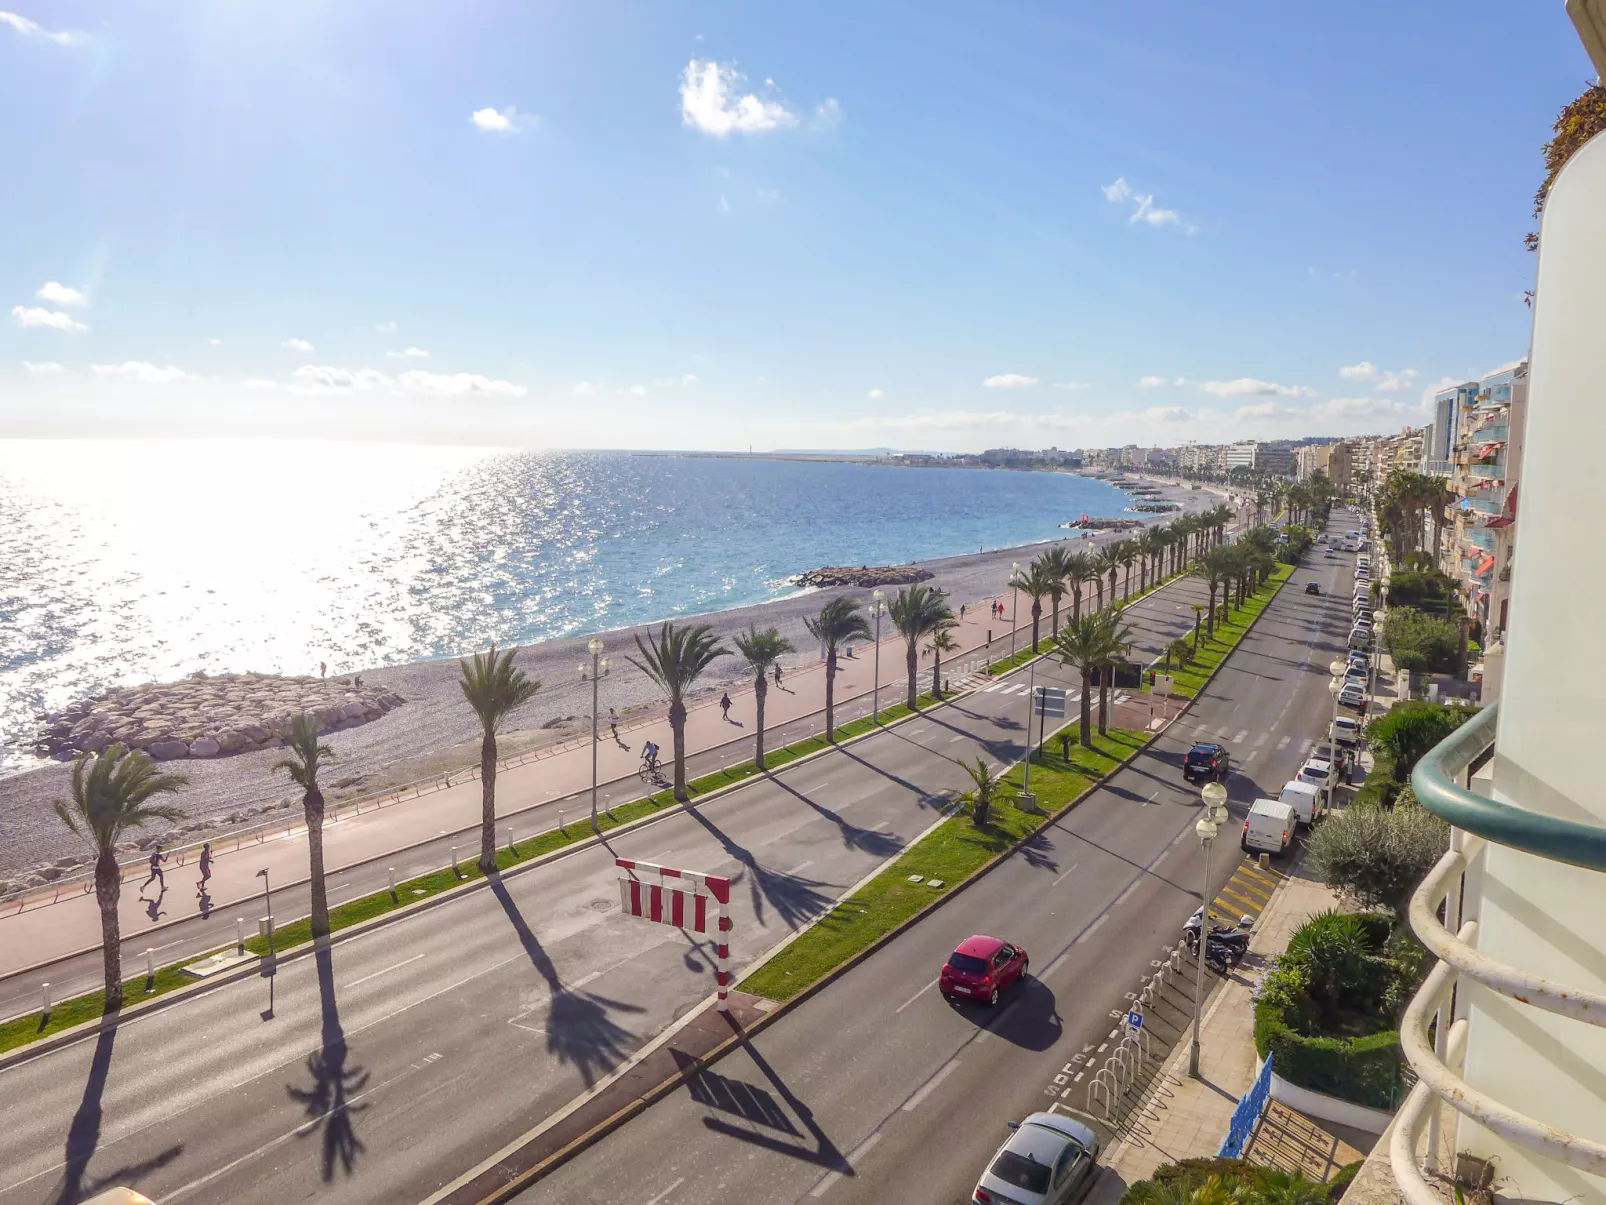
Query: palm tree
[916,612]
[1128,551]
[1160,539]
[1081,645]
[1145,545]
[1058,562]
[838,622]
[981,796]
[761,650]
[1037,581]
[111,794]
[942,641]
[495,689]
[1213,568]
[1078,571]
[1198,614]
[1118,641]
[1180,650]
[307,754]
[1107,562]
[675,659]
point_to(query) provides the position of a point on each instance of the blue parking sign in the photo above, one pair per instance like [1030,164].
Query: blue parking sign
[1135,1019]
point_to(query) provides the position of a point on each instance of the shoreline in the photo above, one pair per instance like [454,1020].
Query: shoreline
[435,731]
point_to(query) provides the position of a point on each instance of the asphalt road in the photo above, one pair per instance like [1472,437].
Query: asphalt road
[878,1089]
[403,1057]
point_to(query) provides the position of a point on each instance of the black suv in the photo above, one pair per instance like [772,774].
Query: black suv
[1206,761]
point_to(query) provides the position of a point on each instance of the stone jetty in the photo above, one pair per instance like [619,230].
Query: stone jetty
[863,575]
[1086,524]
[209,716]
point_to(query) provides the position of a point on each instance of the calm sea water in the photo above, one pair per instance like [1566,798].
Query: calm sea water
[125,562]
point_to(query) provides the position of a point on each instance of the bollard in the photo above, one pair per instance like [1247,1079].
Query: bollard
[508,832]
[390,873]
[44,1000]
[239,935]
[1265,860]
[265,927]
[561,829]
[454,860]
[150,970]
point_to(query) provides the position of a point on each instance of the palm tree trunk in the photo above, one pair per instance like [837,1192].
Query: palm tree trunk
[1196,618]
[1126,586]
[312,809]
[910,661]
[936,671]
[108,886]
[677,725]
[1098,583]
[760,690]
[1210,628]
[1105,672]
[1037,622]
[1076,604]
[487,805]
[1056,601]
[1113,574]
[830,696]
[1087,708]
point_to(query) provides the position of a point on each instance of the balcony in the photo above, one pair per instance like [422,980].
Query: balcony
[1433,1037]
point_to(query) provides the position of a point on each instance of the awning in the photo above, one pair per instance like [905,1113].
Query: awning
[1491,449]
[1499,521]
[1484,566]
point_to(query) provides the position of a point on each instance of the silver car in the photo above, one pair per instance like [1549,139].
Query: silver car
[1048,1160]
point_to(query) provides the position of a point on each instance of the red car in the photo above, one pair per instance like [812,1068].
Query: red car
[981,968]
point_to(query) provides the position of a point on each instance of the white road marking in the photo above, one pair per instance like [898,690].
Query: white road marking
[1238,740]
[1253,753]
[990,689]
[667,1191]
[1068,870]
[960,737]
[824,1186]
[915,997]
[1283,744]
[1088,932]
[801,866]
[1151,798]
[386,971]
[930,1086]
[1261,739]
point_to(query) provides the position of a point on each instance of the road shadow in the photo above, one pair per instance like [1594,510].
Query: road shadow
[1037,850]
[328,1100]
[823,1153]
[879,845]
[580,1030]
[1028,1016]
[794,898]
[747,1101]
[926,797]
[83,1137]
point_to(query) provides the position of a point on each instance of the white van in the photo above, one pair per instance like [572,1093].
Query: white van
[1269,828]
[1305,799]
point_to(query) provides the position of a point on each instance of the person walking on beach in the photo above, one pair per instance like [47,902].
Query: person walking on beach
[323,669]
[961,611]
[206,868]
[613,723]
[777,674]
[725,706]
[157,858]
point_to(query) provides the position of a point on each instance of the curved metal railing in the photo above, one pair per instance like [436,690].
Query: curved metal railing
[1433,1039]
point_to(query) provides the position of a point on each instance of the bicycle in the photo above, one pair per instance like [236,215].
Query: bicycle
[651,770]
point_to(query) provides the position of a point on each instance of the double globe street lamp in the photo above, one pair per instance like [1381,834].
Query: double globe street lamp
[1214,796]
[1338,668]
[594,673]
[1014,605]
[878,608]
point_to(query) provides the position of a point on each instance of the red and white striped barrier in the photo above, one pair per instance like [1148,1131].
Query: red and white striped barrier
[668,896]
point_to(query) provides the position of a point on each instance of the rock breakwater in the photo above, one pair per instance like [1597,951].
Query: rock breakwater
[863,575]
[205,716]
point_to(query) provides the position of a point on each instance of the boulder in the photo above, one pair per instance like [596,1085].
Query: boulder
[230,741]
[205,747]
[172,750]
[353,710]
[255,733]
[49,873]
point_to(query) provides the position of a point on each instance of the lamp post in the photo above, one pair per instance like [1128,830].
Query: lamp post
[878,608]
[1014,605]
[1215,814]
[594,673]
[267,891]
[1337,668]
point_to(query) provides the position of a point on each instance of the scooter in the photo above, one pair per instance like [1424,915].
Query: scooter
[1230,945]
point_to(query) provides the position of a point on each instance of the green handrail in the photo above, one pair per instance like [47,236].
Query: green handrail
[1434,781]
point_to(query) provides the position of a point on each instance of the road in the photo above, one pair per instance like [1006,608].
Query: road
[401,1058]
[878,1089]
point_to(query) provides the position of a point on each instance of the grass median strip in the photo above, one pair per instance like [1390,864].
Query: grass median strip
[1046,640]
[30,1028]
[1188,680]
[952,853]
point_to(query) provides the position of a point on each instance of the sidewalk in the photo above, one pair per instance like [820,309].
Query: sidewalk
[1187,1118]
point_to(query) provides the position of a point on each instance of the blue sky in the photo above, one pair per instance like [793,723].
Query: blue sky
[646,224]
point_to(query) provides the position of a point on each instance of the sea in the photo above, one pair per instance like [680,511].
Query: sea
[133,561]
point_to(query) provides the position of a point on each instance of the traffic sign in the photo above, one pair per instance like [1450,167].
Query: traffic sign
[1135,1019]
[1048,701]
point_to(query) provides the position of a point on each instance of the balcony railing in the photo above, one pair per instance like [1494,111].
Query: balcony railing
[1479,822]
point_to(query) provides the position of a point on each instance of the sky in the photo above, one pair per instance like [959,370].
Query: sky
[641,224]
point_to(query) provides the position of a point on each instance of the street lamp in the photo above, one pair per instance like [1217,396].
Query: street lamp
[1337,668]
[878,608]
[1014,605]
[1214,796]
[594,673]
[267,891]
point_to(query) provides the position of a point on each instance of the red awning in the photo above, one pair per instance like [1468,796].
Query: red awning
[1484,566]
[1499,521]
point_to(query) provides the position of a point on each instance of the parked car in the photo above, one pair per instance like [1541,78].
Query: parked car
[1317,771]
[1048,1159]
[1206,760]
[1345,731]
[1360,638]
[1312,588]
[1305,799]
[1352,696]
[1269,827]
[981,968]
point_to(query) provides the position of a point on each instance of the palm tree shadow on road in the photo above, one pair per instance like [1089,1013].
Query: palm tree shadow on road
[878,845]
[83,1137]
[579,1029]
[329,1100]
[795,899]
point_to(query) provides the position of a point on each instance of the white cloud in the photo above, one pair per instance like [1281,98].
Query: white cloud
[1150,382]
[1181,381]
[32,29]
[258,383]
[459,384]
[1260,411]
[1390,382]
[41,368]
[1009,380]
[688,379]
[585,388]
[828,112]
[34,315]
[1360,408]
[296,345]
[1250,387]
[724,204]
[1364,371]
[710,102]
[1167,414]
[385,328]
[1073,386]
[59,294]
[1393,382]
[413,353]
[638,390]
[144,372]
[323,378]
[876,394]
[215,342]
[1143,206]
[501,121]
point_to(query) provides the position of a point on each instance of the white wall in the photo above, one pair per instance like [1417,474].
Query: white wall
[1551,747]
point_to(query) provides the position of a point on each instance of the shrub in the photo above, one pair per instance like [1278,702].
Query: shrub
[1377,854]
[1412,588]
[1209,1181]
[1409,730]
[1417,641]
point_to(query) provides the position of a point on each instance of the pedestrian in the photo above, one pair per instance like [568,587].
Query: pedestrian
[206,868]
[613,723]
[961,611]
[323,669]
[725,706]
[156,860]
[777,673]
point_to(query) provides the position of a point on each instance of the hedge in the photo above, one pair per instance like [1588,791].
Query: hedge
[1365,1071]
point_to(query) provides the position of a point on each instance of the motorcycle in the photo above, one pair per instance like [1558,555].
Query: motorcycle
[1227,946]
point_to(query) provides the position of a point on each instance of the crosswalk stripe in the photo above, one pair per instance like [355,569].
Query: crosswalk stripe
[1283,744]
[1239,739]
[1249,887]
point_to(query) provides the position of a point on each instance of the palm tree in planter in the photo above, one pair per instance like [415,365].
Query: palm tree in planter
[1082,646]
[837,623]
[1106,564]
[942,641]
[1118,641]
[988,789]
[1213,569]
[495,689]
[1078,572]
[1180,651]
[917,611]
[675,659]
[1037,582]
[111,794]
[761,650]
[307,757]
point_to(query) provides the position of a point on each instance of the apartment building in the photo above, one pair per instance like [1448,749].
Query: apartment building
[1439,438]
